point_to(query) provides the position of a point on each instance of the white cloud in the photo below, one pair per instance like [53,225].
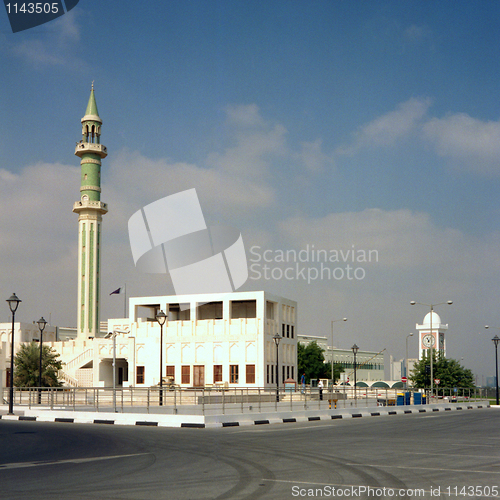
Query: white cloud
[390,128]
[469,143]
[55,46]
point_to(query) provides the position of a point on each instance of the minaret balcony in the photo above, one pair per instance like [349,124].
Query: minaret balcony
[90,147]
[90,206]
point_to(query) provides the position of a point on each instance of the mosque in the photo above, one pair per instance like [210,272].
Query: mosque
[229,339]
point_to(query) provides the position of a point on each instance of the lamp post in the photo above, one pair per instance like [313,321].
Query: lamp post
[355,350]
[41,326]
[13,301]
[406,371]
[277,339]
[495,340]
[335,321]
[431,347]
[161,317]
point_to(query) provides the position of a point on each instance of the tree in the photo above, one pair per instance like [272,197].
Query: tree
[311,361]
[449,372]
[27,366]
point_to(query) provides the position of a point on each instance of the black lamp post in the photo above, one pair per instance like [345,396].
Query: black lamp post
[13,304]
[355,350]
[161,317]
[41,326]
[495,341]
[277,339]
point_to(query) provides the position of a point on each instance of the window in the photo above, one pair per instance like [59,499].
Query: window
[288,331]
[287,372]
[179,312]
[210,310]
[270,310]
[283,379]
[170,372]
[293,373]
[233,374]
[250,374]
[140,375]
[268,374]
[283,330]
[243,309]
[217,373]
[185,374]
[292,333]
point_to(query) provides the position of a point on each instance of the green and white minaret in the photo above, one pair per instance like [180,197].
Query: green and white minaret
[90,210]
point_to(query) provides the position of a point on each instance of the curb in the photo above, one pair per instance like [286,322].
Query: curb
[220,423]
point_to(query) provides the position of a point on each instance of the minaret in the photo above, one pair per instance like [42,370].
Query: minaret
[90,210]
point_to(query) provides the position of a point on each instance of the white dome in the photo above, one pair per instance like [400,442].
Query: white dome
[436,320]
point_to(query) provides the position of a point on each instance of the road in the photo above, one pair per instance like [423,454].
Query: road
[411,456]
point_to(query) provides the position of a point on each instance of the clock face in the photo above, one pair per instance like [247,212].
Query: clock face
[428,340]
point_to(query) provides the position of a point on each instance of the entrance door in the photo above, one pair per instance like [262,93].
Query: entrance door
[120,375]
[199,376]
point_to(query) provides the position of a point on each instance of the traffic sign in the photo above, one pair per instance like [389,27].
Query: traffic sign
[437,380]
[404,380]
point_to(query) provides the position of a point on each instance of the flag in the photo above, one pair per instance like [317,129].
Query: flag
[117,291]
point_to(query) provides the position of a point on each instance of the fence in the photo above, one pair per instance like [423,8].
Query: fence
[211,401]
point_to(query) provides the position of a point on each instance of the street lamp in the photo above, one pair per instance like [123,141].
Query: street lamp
[161,317]
[13,301]
[277,339]
[495,340]
[355,350]
[335,321]
[41,326]
[432,306]
[406,371]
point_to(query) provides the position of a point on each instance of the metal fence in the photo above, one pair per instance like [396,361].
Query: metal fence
[209,401]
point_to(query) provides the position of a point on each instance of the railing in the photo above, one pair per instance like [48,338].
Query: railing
[210,401]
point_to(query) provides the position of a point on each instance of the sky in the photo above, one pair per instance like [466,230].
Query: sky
[365,129]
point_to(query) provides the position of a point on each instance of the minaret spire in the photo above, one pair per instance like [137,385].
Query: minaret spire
[90,210]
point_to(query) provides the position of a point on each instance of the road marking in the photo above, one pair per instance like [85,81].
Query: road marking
[378,466]
[21,465]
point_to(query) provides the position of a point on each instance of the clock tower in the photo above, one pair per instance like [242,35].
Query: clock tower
[431,334]
[90,210]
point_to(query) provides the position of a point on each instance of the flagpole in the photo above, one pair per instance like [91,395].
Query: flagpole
[125,302]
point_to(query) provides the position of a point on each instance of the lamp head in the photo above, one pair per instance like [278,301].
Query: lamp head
[355,349]
[161,317]
[412,302]
[41,324]
[344,319]
[450,302]
[277,338]
[486,326]
[13,301]
[496,339]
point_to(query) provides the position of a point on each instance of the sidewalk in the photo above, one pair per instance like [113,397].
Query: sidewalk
[249,417]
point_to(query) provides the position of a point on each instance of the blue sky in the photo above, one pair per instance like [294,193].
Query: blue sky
[326,123]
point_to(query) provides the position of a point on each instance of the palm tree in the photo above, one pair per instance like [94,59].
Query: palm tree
[27,362]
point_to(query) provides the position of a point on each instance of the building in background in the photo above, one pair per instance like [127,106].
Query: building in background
[431,333]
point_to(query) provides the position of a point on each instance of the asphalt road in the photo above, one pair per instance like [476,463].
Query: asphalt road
[402,456]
